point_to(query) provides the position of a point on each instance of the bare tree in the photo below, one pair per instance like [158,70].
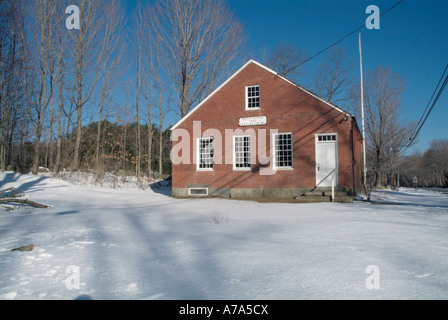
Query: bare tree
[386,131]
[88,50]
[161,105]
[332,80]
[15,78]
[435,163]
[138,39]
[200,39]
[142,41]
[43,27]
[112,53]
[431,166]
[62,47]
[159,95]
[148,94]
[149,116]
[286,59]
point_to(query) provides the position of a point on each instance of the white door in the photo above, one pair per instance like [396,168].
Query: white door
[326,160]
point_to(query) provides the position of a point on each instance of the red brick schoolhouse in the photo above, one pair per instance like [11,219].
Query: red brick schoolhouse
[261,135]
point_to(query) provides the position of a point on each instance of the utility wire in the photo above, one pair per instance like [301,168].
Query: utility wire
[430,105]
[346,36]
[423,118]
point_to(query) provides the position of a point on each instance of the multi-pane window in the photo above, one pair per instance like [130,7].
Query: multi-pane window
[205,153]
[242,152]
[253,97]
[283,150]
[330,137]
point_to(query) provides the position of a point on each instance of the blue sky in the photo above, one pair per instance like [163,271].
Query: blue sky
[412,41]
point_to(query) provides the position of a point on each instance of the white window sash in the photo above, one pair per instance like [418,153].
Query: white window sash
[241,154]
[289,153]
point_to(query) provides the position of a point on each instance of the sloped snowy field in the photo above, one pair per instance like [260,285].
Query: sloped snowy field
[104,243]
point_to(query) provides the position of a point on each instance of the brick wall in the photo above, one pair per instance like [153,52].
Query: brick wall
[288,109]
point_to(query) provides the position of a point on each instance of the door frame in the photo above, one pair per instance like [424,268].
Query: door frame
[335,142]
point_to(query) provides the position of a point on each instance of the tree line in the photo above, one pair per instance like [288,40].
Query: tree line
[98,98]
[430,167]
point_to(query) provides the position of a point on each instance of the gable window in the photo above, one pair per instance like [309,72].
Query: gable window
[252,97]
[283,150]
[205,154]
[242,153]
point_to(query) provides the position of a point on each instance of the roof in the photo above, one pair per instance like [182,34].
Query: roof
[269,70]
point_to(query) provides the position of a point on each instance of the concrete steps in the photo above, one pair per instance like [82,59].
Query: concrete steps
[325,195]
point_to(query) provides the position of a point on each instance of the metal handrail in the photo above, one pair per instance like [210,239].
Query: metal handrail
[332,171]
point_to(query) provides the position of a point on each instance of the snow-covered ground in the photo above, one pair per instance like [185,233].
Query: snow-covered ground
[128,243]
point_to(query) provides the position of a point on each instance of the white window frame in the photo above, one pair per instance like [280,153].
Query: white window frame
[198,154]
[274,151]
[247,98]
[326,140]
[198,195]
[235,153]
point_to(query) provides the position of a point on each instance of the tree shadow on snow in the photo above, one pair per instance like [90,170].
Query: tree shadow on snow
[392,203]
[13,177]
[83,297]
[67,212]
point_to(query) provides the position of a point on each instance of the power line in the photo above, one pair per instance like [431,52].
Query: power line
[346,36]
[430,105]
[429,102]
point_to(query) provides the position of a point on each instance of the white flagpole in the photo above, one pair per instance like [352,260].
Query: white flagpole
[362,111]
